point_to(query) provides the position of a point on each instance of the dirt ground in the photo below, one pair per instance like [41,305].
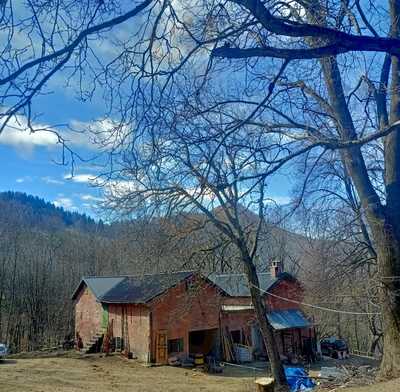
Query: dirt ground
[95,374]
[73,373]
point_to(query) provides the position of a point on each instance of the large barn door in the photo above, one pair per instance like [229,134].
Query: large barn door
[162,348]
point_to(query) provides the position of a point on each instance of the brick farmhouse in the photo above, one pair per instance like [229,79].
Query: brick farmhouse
[153,316]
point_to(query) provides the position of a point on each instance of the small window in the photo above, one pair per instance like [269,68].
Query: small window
[190,285]
[175,345]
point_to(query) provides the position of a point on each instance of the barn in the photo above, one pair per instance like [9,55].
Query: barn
[187,313]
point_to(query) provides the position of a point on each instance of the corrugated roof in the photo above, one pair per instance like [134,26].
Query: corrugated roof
[141,289]
[100,285]
[236,285]
[285,319]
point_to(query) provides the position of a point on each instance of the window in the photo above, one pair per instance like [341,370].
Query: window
[175,345]
[190,285]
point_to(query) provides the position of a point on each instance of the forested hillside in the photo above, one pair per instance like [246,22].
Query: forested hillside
[45,250]
[44,215]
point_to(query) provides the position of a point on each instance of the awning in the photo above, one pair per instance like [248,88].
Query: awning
[286,319]
[279,319]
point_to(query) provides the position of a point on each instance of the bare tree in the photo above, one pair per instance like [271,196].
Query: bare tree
[313,110]
[294,78]
[324,38]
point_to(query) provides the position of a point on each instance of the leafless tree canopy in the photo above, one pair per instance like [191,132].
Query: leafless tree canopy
[206,100]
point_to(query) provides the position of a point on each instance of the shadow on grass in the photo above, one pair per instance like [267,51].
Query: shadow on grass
[7,362]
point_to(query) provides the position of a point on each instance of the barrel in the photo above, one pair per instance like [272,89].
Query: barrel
[199,359]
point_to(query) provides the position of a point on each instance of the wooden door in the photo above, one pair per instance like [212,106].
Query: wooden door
[162,348]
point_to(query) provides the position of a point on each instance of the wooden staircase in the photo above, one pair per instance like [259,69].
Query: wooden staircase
[93,344]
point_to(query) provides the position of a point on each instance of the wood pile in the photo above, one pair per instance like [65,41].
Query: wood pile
[228,350]
[346,376]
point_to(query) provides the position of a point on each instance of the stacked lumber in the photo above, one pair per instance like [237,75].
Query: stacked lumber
[228,350]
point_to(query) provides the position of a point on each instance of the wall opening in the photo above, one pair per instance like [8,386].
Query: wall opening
[204,342]
[237,336]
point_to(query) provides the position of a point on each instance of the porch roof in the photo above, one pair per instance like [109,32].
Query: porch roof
[279,319]
[288,319]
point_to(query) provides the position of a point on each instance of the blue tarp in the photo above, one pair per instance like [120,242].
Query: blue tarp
[298,379]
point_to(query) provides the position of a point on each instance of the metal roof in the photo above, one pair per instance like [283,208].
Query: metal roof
[236,285]
[279,319]
[131,289]
[100,285]
[141,289]
[285,319]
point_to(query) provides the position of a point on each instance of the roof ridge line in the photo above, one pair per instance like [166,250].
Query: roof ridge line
[136,275]
[237,274]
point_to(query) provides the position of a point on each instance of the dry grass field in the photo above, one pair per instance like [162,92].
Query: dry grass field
[101,374]
[73,373]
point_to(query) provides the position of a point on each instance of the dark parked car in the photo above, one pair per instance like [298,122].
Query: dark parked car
[334,348]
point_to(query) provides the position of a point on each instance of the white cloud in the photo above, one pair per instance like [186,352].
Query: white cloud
[21,180]
[17,134]
[52,181]
[101,132]
[88,197]
[119,188]
[280,200]
[81,178]
[65,202]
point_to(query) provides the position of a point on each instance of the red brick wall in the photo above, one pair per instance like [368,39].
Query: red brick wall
[88,313]
[286,289]
[138,323]
[178,311]
[243,319]
[181,310]
[236,301]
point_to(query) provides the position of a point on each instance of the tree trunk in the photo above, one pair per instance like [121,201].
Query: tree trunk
[266,328]
[384,220]
[374,344]
[389,242]
[388,263]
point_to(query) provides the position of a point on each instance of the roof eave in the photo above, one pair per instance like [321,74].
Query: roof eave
[122,302]
[78,289]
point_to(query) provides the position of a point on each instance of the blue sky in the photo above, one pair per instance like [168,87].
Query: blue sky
[33,169]
[32,163]
[29,162]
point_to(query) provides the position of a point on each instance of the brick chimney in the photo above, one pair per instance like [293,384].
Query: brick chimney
[276,268]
